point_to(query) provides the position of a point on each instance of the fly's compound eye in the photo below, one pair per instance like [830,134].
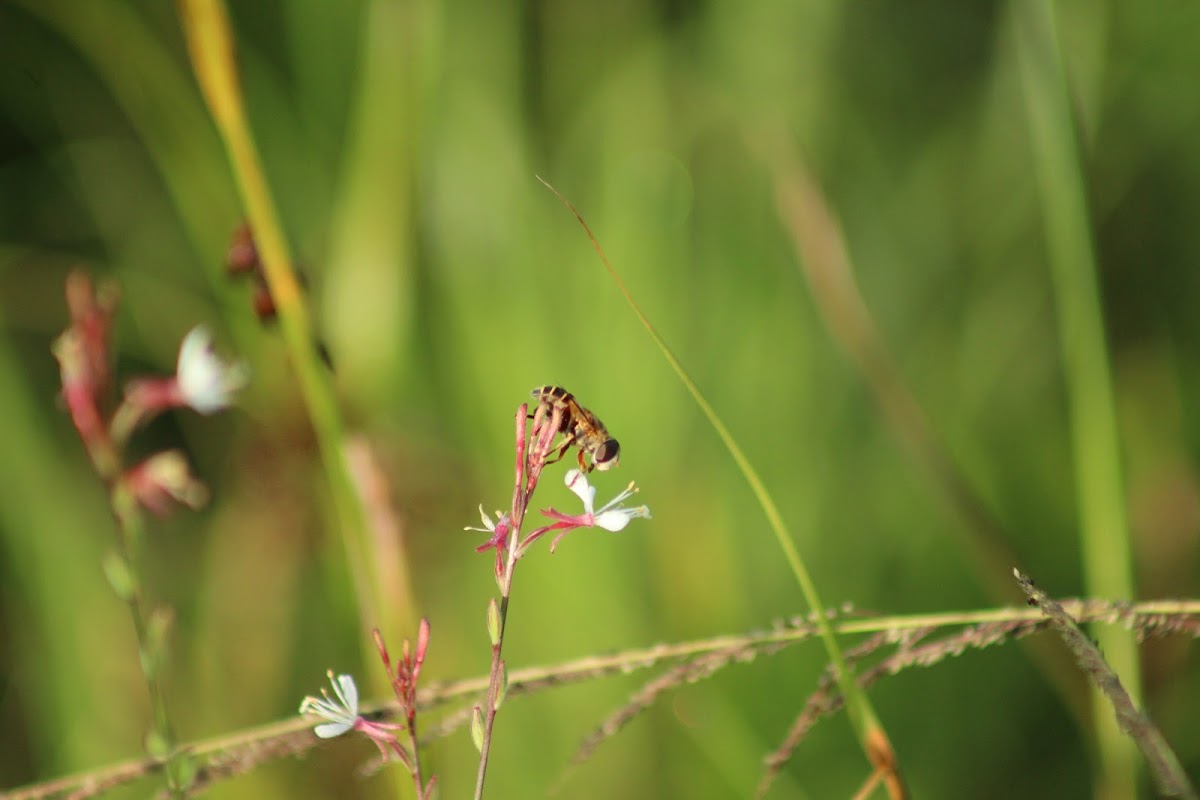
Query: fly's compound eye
[607,455]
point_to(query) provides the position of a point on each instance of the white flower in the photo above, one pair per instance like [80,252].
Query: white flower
[342,713]
[500,531]
[612,516]
[205,382]
[488,525]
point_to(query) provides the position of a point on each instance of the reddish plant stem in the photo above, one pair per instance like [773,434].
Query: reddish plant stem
[413,744]
[529,463]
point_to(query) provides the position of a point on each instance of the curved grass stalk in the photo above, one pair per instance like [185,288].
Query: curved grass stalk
[825,260]
[867,727]
[210,45]
[1106,549]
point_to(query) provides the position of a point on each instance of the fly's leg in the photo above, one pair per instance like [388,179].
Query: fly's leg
[561,450]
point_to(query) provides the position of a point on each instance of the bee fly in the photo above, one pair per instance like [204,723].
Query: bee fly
[581,428]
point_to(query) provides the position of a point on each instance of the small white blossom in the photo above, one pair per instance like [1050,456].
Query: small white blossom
[488,525]
[611,516]
[206,383]
[342,713]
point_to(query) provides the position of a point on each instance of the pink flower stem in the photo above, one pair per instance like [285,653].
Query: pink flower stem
[83,353]
[404,683]
[529,463]
[413,668]
[518,506]
[411,727]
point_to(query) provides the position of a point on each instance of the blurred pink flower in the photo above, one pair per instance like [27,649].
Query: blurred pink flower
[163,479]
[82,351]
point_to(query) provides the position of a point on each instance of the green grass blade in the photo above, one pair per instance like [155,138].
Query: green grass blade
[211,47]
[1107,557]
[863,718]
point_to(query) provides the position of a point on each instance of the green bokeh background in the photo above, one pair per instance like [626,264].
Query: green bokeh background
[401,142]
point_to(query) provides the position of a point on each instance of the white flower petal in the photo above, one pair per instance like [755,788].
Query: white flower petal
[615,519]
[347,692]
[578,484]
[489,526]
[487,521]
[612,520]
[206,382]
[342,714]
[328,730]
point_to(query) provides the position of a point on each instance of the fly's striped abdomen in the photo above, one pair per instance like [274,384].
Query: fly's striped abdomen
[551,396]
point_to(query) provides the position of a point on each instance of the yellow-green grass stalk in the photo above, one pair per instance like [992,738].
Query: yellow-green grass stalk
[211,46]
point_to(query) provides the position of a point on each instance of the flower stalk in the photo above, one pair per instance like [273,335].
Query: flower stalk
[404,677]
[527,471]
[533,448]
[158,484]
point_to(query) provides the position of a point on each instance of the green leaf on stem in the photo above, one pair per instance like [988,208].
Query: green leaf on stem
[120,576]
[477,728]
[156,745]
[493,621]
